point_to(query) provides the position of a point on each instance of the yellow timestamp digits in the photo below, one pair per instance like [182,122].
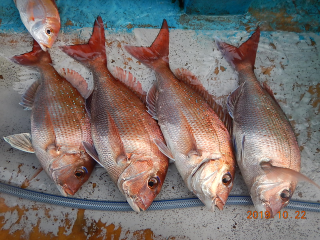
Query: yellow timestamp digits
[281,215]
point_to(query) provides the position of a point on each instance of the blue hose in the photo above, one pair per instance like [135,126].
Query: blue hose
[124,206]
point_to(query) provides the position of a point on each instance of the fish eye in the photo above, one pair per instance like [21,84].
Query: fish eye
[80,172]
[153,182]
[49,31]
[226,179]
[285,195]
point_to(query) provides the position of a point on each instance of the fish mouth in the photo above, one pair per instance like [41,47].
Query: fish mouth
[136,205]
[43,46]
[65,190]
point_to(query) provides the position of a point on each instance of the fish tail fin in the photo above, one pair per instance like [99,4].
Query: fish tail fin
[159,50]
[34,58]
[95,48]
[242,56]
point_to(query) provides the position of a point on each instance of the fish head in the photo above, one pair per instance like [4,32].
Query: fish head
[272,194]
[141,182]
[45,31]
[212,182]
[69,170]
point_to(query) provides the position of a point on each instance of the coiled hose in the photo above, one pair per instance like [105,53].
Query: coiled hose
[124,206]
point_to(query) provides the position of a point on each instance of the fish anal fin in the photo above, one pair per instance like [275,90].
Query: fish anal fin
[91,151]
[158,50]
[77,81]
[152,100]
[191,80]
[131,82]
[20,141]
[163,148]
[243,55]
[28,97]
[269,90]
[233,98]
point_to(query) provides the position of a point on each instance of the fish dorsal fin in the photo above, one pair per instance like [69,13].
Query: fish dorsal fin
[269,90]
[151,101]
[131,82]
[77,81]
[88,104]
[191,80]
[163,148]
[233,98]
[283,173]
[116,143]
[91,151]
[20,141]
[28,97]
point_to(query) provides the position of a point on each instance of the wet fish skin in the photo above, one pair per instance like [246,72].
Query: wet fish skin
[197,139]
[59,124]
[267,149]
[122,130]
[42,19]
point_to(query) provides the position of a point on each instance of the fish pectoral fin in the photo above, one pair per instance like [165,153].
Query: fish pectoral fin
[91,151]
[131,82]
[20,141]
[151,101]
[88,104]
[283,173]
[77,81]
[29,96]
[30,10]
[163,148]
[233,98]
[115,141]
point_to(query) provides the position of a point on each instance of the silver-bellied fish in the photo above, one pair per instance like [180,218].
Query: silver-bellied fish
[59,123]
[123,132]
[42,19]
[197,139]
[267,151]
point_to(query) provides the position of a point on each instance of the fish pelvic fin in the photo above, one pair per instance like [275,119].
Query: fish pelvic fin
[159,50]
[86,53]
[35,58]
[242,56]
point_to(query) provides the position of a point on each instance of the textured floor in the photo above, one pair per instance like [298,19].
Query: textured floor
[290,64]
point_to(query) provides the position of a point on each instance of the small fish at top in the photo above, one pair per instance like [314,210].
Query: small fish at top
[59,122]
[190,120]
[267,151]
[42,19]
[123,132]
